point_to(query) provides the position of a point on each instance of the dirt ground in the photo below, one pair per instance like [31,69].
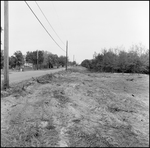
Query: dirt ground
[77,108]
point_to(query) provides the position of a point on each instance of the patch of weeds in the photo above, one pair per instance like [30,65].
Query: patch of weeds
[50,127]
[49,137]
[130,79]
[77,138]
[88,80]
[46,91]
[125,137]
[16,120]
[44,79]
[74,70]
[60,96]
[28,134]
[134,105]
[119,135]
[90,93]
[76,120]
[4,93]
[16,90]
[48,77]
[114,109]
[128,105]
[21,135]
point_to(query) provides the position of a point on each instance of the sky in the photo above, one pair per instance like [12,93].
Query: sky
[88,26]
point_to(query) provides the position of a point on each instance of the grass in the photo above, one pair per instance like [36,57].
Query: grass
[86,105]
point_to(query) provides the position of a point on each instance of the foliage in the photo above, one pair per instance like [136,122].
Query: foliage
[34,57]
[86,63]
[62,61]
[53,60]
[122,61]
[136,60]
[40,56]
[108,61]
[2,59]
[50,60]
[16,60]
[29,57]
[45,59]
[19,58]
[12,61]
[74,63]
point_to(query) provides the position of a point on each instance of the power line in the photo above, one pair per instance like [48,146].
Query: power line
[43,25]
[49,22]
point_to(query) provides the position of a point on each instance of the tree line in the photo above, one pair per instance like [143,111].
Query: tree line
[39,59]
[45,59]
[136,60]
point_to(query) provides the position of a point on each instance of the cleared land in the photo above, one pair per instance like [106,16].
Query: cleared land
[77,108]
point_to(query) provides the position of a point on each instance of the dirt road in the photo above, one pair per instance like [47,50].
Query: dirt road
[77,108]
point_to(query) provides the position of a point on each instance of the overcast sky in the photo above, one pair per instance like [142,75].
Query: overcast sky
[88,26]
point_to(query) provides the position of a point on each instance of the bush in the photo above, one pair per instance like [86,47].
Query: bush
[133,61]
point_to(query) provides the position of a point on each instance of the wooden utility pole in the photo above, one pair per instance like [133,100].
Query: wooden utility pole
[73,58]
[6,46]
[37,59]
[66,54]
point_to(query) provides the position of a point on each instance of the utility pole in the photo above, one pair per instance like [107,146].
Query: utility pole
[66,54]
[37,59]
[73,58]
[6,46]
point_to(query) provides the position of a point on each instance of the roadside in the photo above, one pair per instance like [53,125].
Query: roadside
[16,77]
[77,108]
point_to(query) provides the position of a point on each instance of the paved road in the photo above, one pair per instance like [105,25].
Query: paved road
[15,77]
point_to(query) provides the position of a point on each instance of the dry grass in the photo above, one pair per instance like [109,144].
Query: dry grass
[77,108]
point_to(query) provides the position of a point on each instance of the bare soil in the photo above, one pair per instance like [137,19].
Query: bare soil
[77,108]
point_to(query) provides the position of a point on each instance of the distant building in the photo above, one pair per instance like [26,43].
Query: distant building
[28,64]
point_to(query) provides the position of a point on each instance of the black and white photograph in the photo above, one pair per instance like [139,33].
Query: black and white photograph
[74,73]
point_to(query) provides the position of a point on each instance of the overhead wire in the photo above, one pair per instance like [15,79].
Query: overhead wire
[43,26]
[48,22]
